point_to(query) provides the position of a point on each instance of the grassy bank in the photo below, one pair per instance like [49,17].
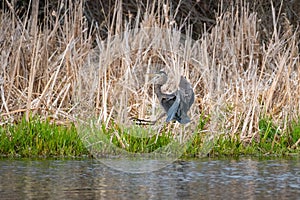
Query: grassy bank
[36,138]
[43,139]
[246,82]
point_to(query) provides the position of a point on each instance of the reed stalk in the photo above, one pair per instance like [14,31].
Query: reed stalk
[63,69]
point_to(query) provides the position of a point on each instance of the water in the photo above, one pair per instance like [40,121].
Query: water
[245,178]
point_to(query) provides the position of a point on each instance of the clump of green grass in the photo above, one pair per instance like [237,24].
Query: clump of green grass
[271,141]
[294,136]
[35,138]
[141,142]
[133,139]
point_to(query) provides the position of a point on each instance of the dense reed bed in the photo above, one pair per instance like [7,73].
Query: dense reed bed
[63,71]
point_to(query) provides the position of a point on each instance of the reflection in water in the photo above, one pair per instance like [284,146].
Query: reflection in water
[197,179]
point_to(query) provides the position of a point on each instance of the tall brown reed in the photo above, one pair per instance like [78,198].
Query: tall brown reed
[54,71]
[40,64]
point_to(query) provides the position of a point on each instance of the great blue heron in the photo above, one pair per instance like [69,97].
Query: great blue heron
[176,104]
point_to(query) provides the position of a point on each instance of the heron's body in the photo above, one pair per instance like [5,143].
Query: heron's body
[178,103]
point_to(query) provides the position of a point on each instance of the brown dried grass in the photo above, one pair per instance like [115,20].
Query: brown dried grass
[54,72]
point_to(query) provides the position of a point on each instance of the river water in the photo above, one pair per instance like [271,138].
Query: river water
[243,178]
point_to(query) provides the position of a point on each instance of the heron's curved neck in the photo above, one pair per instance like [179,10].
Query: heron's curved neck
[157,90]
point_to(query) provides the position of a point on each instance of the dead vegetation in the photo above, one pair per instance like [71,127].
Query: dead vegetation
[56,71]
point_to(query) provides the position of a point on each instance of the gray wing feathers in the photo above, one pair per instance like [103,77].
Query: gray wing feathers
[174,108]
[184,98]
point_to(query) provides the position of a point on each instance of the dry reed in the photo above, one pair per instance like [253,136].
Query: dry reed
[54,71]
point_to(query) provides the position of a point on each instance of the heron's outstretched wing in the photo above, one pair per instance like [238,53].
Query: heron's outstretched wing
[187,94]
[181,101]
[167,100]
[173,110]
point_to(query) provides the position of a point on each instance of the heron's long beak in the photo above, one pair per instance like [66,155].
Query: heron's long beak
[152,74]
[152,77]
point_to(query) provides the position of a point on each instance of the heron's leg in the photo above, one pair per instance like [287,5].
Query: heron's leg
[161,116]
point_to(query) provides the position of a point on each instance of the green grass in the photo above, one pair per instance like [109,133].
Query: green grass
[271,141]
[137,139]
[38,138]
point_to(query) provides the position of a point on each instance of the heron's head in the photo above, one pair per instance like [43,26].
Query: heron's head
[159,77]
